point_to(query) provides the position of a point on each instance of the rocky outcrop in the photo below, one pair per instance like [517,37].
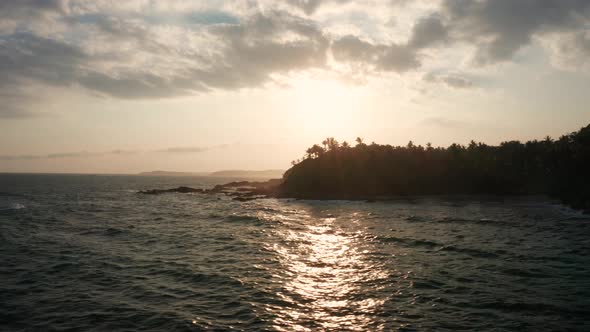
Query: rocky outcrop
[182,189]
[238,190]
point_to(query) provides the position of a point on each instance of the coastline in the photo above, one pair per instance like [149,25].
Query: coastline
[253,190]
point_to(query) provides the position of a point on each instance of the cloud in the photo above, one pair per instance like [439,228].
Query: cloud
[25,60]
[123,152]
[27,56]
[115,152]
[451,80]
[192,149]
[163,49]
[499,28]
[64,155]
[32,8]
[571,51]
[127,60]
[311,6]
[81,154]
[393,57]
[352,48]
[183,150]
[428,31]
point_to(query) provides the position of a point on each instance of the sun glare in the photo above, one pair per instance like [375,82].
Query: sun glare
[326,106]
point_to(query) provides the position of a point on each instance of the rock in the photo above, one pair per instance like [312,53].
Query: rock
[239,190]
[245,199]
[182,190]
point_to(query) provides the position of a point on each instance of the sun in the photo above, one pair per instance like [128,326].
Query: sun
[328,107]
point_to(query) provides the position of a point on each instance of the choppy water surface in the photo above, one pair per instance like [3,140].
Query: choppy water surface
[87,253]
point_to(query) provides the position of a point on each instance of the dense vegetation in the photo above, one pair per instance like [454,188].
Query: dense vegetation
[559,168]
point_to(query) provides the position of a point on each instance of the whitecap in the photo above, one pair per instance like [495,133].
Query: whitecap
[17,206]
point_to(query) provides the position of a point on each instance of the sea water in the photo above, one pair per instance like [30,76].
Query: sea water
[87,253]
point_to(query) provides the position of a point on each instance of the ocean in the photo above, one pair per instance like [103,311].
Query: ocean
[87,253]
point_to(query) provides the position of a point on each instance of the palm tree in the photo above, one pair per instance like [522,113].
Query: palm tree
[315,151]
[332,143]
[359,141]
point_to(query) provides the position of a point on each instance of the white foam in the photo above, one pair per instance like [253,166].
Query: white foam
[17,206]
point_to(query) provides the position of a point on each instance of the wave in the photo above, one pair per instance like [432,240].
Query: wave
[419,243]
[456,220]
[410,242]
[240,218]
[110,231]
[9,194]
[471,252]
[17,206]
[14,207]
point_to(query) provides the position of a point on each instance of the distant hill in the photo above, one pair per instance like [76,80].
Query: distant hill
[167,173]
[264,174]
[267,174]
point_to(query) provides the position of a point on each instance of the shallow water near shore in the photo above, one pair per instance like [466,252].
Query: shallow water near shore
[87,253]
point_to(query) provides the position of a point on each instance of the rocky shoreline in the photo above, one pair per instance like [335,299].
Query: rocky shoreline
[238,190]
[251,190]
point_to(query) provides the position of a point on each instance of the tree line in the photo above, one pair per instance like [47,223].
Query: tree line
[559,167]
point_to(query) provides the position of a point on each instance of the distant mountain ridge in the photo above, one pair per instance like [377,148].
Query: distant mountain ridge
[172,173]
[270,173]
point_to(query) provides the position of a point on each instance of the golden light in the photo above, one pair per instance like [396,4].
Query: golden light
[324,271]
[328,107]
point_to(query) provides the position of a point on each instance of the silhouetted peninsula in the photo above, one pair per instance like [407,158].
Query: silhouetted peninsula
[558,168]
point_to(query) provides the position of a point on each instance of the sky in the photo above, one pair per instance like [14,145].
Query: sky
[97,86]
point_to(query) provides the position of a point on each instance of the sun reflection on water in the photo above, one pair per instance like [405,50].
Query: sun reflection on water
[325,275]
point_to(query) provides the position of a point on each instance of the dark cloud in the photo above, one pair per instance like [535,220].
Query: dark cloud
[13,9]
[258,48]
[428,31]
[138,85]
[352,48]
[397,58]
[499,28]
[27,56]
[249,54]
